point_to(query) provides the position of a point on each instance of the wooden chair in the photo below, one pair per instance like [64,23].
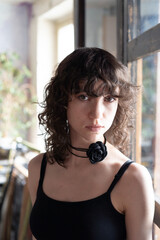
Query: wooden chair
[9,168]
[7,217]
[6,210]
[24,232]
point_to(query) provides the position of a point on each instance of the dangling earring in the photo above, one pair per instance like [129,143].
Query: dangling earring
[67,127]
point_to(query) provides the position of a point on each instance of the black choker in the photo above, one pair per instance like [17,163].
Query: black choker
[96,151]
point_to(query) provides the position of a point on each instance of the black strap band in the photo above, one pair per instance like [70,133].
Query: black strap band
[119,174]
[43,168]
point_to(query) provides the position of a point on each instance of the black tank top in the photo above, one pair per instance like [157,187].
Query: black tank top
[94,219]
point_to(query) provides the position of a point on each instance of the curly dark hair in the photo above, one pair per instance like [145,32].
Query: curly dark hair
[86,65]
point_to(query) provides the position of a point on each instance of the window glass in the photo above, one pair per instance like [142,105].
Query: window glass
[147,151]
[149,70]
[142,15]
[146,139]
[65,47]
[101,24]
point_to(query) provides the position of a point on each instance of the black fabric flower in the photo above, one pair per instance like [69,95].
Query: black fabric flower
[97,152]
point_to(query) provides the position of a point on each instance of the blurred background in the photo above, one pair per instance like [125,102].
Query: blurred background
[35,35]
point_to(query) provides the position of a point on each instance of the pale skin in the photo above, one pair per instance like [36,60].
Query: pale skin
[89,118]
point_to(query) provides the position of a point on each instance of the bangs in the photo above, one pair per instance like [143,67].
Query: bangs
[85,67]
[88,86]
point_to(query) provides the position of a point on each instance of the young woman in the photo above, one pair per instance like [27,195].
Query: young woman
[84,187]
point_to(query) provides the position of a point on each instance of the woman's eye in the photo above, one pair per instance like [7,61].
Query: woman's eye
[109,98]
[83,97]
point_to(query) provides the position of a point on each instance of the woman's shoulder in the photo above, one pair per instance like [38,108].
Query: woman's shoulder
[138,197]
[138,173]
[35,163]
[34,167]
[136,178]
[135,171]
[137,185]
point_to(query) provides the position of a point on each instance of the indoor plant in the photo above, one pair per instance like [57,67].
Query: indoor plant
[16,97]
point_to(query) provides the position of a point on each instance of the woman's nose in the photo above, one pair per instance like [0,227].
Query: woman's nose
[96,109]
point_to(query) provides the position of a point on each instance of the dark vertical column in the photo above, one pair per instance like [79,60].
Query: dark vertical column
[79,23]
[119,30]
[122,30]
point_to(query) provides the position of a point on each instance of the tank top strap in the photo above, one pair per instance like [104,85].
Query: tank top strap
[119,174]
[43,169]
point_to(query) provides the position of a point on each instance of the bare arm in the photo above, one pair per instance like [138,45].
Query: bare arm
[34,175]
[139,204]
[33,178]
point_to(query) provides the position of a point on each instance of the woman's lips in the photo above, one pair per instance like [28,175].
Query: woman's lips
[94,128]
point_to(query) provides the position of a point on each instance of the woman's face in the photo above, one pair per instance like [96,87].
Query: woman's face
[90,117]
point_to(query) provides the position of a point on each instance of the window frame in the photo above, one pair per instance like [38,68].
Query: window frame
[146,43]
[129,51]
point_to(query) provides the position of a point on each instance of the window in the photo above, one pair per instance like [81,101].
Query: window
[65,40]
[101,25]
[140,32]
[142,15]
[51,27]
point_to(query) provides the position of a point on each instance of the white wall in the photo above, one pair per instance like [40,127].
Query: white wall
[14,29]
[43,48]
[46,54]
